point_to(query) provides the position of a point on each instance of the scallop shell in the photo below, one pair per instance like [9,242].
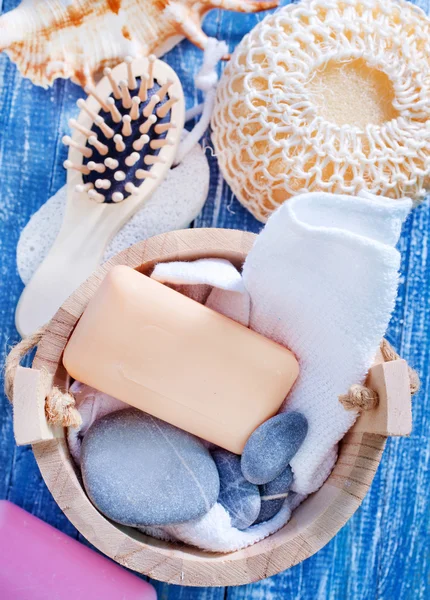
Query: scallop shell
[76,39]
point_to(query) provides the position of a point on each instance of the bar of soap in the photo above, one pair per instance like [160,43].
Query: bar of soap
[178,360]
[38,562]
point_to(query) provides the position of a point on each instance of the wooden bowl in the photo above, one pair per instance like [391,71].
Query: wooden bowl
[312,525]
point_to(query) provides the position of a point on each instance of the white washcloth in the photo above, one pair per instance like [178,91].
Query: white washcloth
[228,296]
[216,272]
[321,279]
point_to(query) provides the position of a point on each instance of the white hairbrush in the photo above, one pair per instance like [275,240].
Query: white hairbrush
[123,144]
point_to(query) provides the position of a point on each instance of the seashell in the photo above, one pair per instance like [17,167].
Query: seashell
[327,96]
[77,39]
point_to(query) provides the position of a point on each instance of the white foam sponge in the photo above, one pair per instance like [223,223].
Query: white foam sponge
[174,205]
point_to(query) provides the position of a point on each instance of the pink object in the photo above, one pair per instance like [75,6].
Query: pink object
[42,563]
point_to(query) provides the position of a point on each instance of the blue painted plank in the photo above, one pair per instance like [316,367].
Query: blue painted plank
[383,551]
[176,592]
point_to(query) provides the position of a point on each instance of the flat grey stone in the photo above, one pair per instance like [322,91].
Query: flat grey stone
[274,494]
[139,470]
[271,446]
[239,497]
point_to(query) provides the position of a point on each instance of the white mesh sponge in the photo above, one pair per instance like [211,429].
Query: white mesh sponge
[327,95]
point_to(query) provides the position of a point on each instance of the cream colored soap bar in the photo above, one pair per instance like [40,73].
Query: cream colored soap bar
[166,354]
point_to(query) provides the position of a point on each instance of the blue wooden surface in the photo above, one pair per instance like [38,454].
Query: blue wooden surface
[383,552]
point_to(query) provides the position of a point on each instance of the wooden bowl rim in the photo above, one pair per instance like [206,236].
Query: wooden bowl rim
[313,524]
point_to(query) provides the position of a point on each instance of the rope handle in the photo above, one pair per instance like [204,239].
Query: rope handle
[360,397]
[60,407]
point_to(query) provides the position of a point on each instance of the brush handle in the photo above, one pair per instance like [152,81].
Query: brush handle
[78,249]
[88,226]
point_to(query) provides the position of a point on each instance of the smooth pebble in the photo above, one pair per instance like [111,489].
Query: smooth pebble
[239,497]
[138,470]
[271,446]
[273,495]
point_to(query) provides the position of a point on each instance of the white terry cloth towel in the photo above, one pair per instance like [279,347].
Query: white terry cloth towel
[228,295]
[321,279]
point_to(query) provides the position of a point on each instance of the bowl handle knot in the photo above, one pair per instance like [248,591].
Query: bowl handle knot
[40,409]
[384,401]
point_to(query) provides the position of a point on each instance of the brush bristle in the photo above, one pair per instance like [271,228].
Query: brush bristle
[127,145]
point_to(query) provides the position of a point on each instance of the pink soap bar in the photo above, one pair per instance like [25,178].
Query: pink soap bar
[38,562]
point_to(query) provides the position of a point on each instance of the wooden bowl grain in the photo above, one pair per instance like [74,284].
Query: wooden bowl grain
[312,525]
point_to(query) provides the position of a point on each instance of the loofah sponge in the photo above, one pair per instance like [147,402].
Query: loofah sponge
[327,95]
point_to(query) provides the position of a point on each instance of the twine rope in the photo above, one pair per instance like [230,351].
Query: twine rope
[206,80]
[60,407]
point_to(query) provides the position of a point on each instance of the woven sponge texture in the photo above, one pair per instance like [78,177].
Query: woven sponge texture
[327,96]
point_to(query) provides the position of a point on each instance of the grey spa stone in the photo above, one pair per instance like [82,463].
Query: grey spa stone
[138,470]
[271,446]
[274,494]
[240,498]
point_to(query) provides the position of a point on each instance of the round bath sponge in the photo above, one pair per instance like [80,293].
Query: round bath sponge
[330,96]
